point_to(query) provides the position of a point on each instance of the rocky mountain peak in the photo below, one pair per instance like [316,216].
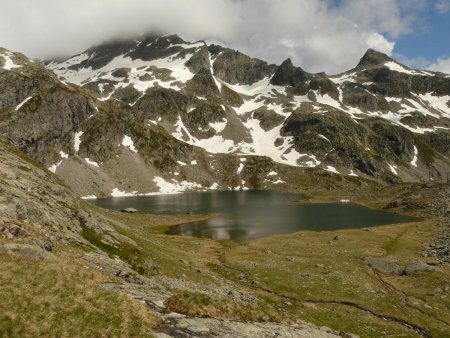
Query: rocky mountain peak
[289,75]
[373,57]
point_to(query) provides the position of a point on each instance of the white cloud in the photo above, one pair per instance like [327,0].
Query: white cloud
[441,65]
[442,6]
[316,34]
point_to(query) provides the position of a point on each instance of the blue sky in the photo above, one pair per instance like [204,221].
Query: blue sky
[419,29]
[430,41]
[318,35]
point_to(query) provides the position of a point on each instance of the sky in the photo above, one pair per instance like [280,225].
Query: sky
[318,35]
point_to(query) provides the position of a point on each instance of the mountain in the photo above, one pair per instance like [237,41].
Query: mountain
[157,113]
[108,147]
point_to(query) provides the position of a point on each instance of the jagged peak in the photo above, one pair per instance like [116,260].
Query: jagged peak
[373,57]
[287,63]
[289,75]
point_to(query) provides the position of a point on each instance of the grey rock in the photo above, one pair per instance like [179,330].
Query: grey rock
[152,267]
[8,209]
[28,251]
[384,264]
[207,327]
[413,268]
[174,315]
[46,245]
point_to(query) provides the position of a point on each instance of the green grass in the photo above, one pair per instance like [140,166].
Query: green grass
[61,298]
[344,277]
[294,288]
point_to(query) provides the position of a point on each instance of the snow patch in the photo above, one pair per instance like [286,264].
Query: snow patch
[77,141]
[9,63]
[344,78]
[393,169]
[394,66]
[215,144]
[352,173]
[195,45]
[174,63]
[211,62]
[218,126]
[437,102]
[55,166]
[118,193]
[95,164]
[332,169]
[128,142]
[23,102]
[323,137]
[89,197]
[414,160]
[214,186]
[239,170]
[174,187]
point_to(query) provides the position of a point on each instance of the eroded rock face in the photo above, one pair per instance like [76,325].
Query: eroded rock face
[38,112]
[336,138]
[234,67]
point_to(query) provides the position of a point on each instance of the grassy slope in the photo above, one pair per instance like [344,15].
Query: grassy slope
[287,282]
[282,271]
[61,299]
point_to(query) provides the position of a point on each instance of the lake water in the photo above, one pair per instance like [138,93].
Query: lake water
[245,215]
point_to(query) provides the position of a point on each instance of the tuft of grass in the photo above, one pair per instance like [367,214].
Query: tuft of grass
[61,298]
[201,305]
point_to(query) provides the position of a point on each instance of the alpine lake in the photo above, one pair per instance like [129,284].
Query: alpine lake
[247,215]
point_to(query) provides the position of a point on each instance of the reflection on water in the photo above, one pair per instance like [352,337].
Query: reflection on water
[248,215]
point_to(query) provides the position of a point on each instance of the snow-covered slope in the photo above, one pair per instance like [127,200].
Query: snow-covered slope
[225,102]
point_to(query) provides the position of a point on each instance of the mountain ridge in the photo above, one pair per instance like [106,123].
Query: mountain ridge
[393,121]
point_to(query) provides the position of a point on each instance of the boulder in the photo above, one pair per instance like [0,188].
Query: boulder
[384,264]
[31,252]
[413,268]
[129,210]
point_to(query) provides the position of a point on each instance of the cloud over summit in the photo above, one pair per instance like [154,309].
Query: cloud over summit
[318,35]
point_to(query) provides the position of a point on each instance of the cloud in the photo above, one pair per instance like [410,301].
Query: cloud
[319,35]
[442,64]
[442,6]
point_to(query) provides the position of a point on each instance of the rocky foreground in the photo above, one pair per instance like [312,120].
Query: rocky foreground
[42,223]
